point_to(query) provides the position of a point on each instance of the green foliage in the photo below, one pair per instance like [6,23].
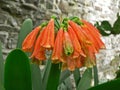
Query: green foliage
[17,75]
[46,74]
[66,85]
[53,79]
[1,68]
[106,28]
[116,26]
[77,77]
[25,29]
[36,77]
[64,74]
[96,81]
[86,79]
[111,85]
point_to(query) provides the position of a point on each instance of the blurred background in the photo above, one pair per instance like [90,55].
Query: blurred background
[14,12]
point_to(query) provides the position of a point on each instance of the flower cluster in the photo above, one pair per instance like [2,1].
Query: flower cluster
[73,44]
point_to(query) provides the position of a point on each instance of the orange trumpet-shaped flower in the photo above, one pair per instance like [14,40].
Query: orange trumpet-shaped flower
[48,36]
[92,27]
[80,35]
[67,44]
[29,41]
[95,33]
[58,47]
[39,51]
[70,63]
[79,62]
[77,47]
[94,38]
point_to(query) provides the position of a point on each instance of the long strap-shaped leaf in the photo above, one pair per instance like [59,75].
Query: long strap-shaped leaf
[64,75]
[17,74]
[36,77]
[25,29]
[54,76]
[51,76]
[1,87]
[77,76]
[96,81]
[1,68]
[46,74]
[85,81]
[111,85]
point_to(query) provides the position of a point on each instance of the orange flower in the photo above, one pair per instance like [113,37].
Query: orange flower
[58,47]
[29,41]
[95,33]
[39,51]
[70,63]
[94,38]
[48,36]
[67,44]
[80,35]
[77,48]
[88,42]
[79,62]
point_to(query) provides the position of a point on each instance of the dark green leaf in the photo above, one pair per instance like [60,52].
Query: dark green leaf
[106,26]
[85,81]
[116,26]
[25,29]
[17,75]
[96,81]
[77,77]
[36,77]
[64,75]
[1,66]
[1,87]
[46,74]
[54,76]
[103,28]
[111,85]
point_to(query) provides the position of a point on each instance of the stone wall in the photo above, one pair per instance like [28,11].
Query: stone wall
[14,12]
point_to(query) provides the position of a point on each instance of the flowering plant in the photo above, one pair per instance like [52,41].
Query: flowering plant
[64,46]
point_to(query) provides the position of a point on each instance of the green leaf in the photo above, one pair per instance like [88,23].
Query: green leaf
[64,75]
[77,77]
[1,87]
[106,26]
[46,74]
[54,76]
[103,28]
[85,81]
[96,81]
[17,75]
[111,85]
[36,77]
[62,86]
[68,83]
[116,26]
[1,66]
[25,29]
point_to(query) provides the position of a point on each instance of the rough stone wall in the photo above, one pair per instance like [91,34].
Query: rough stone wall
[13,13]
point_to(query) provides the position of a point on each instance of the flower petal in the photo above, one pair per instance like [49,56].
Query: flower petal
[48,37]
[29,41]
[58,47]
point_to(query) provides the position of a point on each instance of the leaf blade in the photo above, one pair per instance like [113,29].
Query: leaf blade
[25,29]
[17,75]
[85,81]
